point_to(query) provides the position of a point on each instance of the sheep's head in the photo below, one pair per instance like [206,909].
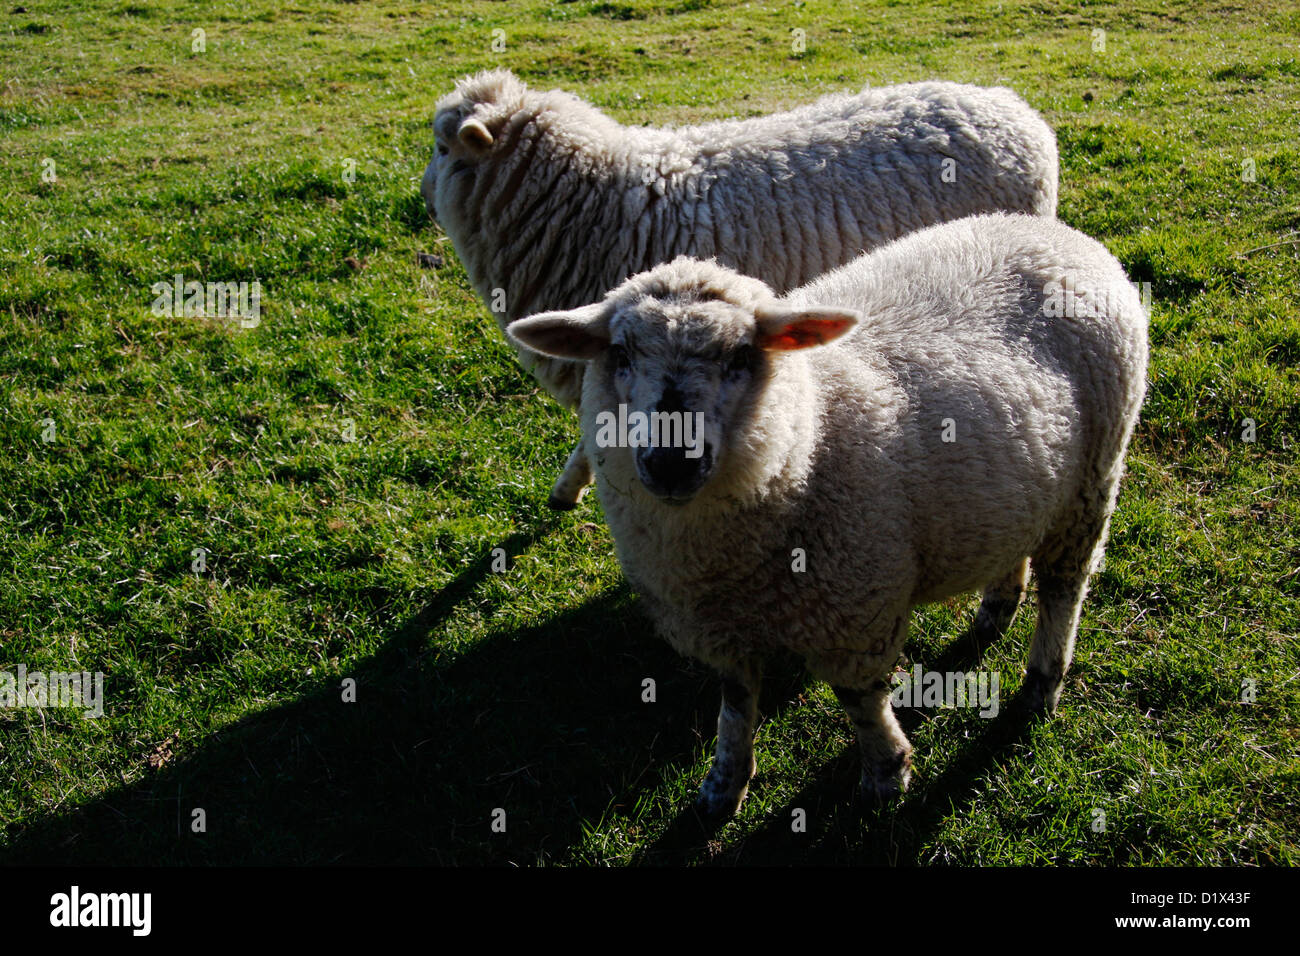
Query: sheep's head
[490,132]
[677,360]
[466,127]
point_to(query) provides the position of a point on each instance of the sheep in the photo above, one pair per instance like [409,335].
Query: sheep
[550,203]
[975,420]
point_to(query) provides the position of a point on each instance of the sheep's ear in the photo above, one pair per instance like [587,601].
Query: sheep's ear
[784,330]
[474,136]
[577,334]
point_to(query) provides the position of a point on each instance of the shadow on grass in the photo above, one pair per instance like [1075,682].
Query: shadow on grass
[537,722]
[843,827]
[545,723]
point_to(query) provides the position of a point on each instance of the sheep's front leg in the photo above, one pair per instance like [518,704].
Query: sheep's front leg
[727,783]
[886,753]
[573,481]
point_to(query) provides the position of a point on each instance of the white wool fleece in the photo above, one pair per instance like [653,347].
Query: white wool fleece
[550,203]
[843,451]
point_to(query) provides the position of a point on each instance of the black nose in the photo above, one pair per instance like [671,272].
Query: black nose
[667,470]
[671,473]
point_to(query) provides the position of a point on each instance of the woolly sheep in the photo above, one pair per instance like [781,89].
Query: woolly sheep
[550,203]
[976,420]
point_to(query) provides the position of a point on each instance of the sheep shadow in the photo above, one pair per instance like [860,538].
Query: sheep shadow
[537,730]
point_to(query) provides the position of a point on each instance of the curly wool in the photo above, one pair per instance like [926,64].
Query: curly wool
[565,202]
[845,457]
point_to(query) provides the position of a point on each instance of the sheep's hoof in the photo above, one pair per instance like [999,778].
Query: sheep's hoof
[719,797]
[556,503]
[992,620]
[888,778]
[1040,694]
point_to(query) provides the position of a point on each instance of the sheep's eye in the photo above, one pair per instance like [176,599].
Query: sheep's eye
[618,355]
[741,360]
[442,150]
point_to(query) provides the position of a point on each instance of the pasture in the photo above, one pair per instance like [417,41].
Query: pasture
[229,520]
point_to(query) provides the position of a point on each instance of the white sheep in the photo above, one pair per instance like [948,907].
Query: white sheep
[975,420]
[550,203]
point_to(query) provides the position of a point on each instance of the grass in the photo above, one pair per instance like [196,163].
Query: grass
[349,465]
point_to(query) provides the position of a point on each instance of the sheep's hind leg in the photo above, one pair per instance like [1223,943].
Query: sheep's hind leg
[573,481]
[1060,600]
[1001,601]
[1062,586]
[886,752]
[728,779]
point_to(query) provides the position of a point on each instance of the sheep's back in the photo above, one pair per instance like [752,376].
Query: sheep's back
[794,194]
[1008,413]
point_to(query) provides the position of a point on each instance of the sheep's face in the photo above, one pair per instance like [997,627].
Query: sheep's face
[466,128]
[462,143]
[681,375]
[675,375]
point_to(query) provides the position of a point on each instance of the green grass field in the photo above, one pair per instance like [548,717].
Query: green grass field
[349,465]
